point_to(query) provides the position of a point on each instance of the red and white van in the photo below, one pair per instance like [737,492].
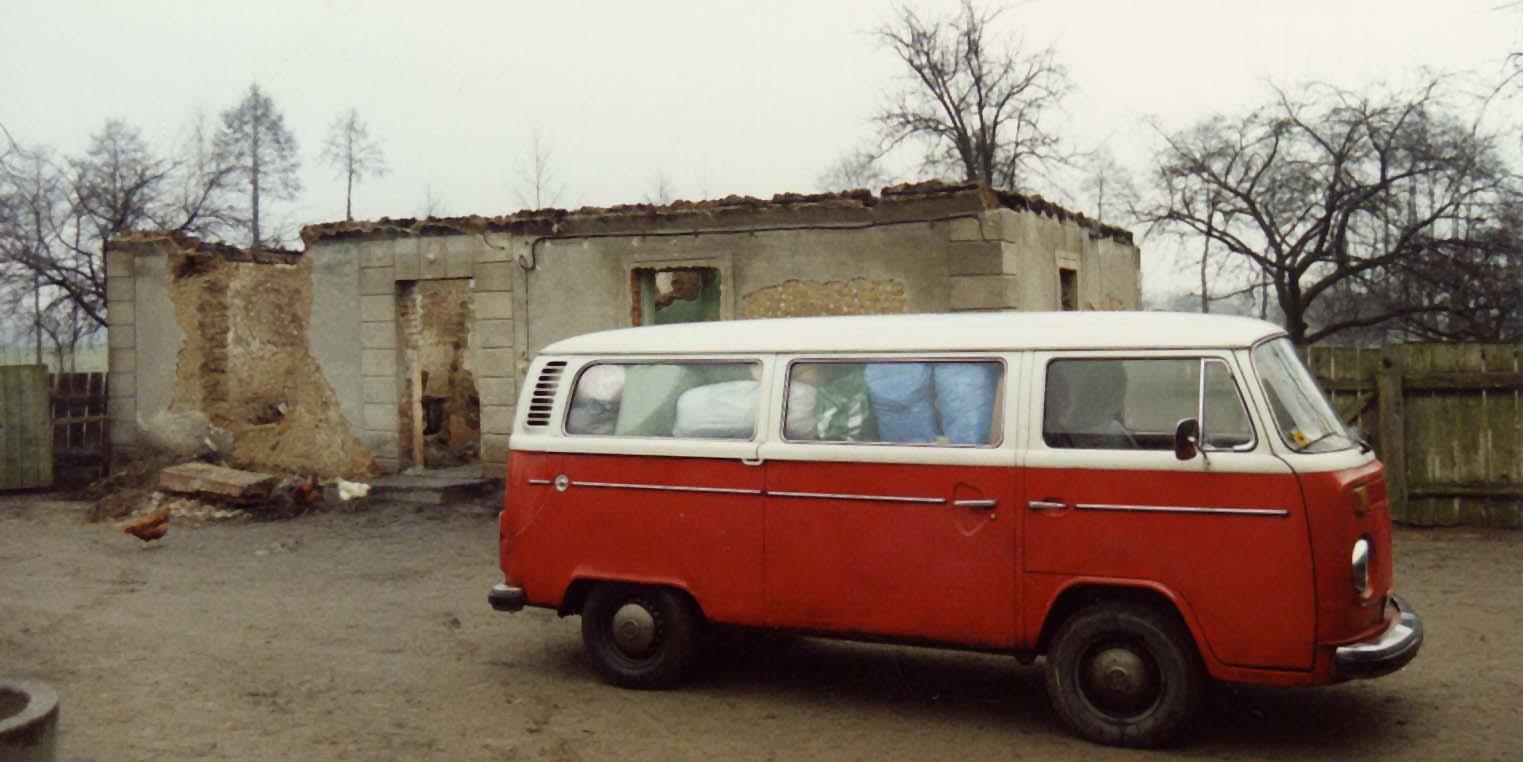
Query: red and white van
[1144,499]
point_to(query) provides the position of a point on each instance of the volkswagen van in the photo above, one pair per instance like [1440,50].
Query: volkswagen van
[1144,500]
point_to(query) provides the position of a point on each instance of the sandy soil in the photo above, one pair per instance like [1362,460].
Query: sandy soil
[366,636]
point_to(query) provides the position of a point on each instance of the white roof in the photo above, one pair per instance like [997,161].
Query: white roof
[962,332]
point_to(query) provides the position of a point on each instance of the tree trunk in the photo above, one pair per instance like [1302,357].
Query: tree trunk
[254,172]
[349,195]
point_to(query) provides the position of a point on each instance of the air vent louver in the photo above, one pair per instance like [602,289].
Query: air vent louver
[543,397]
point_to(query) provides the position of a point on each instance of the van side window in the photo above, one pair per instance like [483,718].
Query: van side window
[941,402]
[712,400]
[1136,404]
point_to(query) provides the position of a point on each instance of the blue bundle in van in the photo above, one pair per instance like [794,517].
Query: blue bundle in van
[965,398]
[902,401]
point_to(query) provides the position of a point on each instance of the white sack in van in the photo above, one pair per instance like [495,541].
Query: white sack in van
[718,411]
[801,416]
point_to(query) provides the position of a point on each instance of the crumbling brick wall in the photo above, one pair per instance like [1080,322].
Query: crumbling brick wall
[243,381]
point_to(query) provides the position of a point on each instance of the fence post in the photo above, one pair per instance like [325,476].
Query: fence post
[1393,432]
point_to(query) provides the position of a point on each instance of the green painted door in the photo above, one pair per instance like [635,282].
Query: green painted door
[26,428]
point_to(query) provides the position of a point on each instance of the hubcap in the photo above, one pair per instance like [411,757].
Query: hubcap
[1118,679]
[634,629]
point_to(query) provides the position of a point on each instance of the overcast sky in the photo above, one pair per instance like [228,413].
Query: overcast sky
[722,97]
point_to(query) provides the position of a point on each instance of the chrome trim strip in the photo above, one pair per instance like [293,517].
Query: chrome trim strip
[669,488]
[868,498]
[1046,505]
[1278,512]
[540,482]
[981,503]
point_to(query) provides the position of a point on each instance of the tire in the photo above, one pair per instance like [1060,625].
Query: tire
[1124,674]
[659,633]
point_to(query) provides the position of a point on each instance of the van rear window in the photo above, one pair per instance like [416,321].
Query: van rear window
[708,400]
[945,403]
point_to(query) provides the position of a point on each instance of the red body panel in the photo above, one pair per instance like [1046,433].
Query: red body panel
[1247,580]
[921,571]
[1339,516]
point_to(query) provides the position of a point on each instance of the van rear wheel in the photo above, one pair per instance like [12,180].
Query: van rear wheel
[639,637]
[1123,674]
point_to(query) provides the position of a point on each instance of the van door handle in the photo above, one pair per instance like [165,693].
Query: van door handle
[982,504]
[751,461]
[1047,505]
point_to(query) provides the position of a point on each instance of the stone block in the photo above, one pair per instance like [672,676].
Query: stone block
[494,333]
[121,289]
[387,465]
[122,384]
[121,337]
[496,363]
[459,256]
[493,305]
[198,478]
[381,418]
[120,313]
[496,391]
[375,254]
[380,335]
[405,255]
[122,409]
[431,259]
[984,292]
[376,280]
[496,419]
[121,360]
[378,307]
[496,248]
[978,258]
[380,444]
[118,264]
[378,362]
[381,391]
[966,229]
[494,450]
[494,276]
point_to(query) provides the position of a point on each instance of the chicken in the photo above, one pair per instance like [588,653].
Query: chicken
[305,490]
[151,526]
[348,490]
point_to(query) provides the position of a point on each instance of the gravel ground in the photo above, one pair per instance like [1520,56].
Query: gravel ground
[366,636]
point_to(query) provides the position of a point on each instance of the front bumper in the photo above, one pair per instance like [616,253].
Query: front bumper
[1385,653]
[504,597]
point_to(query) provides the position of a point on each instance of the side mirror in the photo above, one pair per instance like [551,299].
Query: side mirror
[1186,434]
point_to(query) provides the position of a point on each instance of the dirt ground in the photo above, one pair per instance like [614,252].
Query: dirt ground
[366,636]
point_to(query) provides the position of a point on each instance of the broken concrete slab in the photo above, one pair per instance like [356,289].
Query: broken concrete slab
[207,479]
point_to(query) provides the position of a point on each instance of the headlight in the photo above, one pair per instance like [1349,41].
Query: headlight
[1359,571]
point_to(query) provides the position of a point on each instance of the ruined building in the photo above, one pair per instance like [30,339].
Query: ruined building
[388,343]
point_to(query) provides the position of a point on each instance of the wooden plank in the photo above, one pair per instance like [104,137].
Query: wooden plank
[416,367]
[1463,381]
[1393,438]
[205,478]
[1467,490]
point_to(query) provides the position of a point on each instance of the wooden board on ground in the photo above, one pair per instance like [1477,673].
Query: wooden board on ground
[207,479]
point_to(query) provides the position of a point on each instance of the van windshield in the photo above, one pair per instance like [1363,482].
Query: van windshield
[1302,414]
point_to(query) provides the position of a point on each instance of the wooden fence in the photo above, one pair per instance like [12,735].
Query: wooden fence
[81,425]
[26,458]
[1447,419]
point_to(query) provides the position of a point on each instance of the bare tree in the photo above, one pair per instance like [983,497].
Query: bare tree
[262,153]
[56,216]
[980,106]
[1326,192]
[433,206]
[1107,184]
[538,186]
[661,191]
[854,169]
[353,154]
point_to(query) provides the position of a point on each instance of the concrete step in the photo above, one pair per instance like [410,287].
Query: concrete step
[431,487]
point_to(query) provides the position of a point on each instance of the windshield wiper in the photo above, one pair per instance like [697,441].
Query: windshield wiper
[1325,435]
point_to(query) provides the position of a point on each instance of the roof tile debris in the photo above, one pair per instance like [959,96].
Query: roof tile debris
[552,221]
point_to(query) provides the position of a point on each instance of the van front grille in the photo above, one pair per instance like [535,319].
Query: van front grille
[543,397]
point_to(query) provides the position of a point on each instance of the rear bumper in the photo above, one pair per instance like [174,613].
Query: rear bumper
[1384,653]
[504,597]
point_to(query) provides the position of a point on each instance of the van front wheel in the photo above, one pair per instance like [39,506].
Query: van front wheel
[1123,674]
[640,637]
